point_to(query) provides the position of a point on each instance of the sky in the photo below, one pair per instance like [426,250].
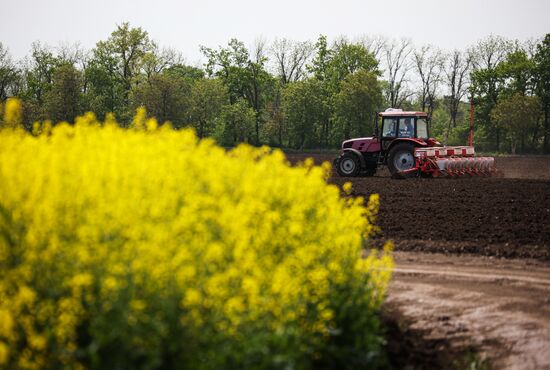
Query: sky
[184,25]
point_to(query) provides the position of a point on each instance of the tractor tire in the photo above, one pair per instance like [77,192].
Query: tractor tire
[401,158]
[348,165]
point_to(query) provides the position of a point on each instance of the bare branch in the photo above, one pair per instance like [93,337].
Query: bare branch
[457,72]
[374,44]
[489,52]
[398,65]
[428,63]
[291,58]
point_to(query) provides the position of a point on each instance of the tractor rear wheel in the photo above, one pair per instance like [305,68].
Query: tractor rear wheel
[348,165]
[401,158]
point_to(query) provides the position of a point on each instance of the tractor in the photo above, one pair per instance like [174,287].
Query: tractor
[402,142]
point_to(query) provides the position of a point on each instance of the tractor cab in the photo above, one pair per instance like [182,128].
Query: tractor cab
[395,124]
[402,125]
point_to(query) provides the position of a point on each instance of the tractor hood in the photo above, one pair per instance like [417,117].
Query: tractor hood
[362,144]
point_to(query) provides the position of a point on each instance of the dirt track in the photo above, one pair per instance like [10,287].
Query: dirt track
[484,289]
[460,305]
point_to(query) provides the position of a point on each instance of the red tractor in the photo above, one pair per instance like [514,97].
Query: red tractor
[402,143]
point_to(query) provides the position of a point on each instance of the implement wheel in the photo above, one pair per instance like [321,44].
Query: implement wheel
[348,165]
[401,158]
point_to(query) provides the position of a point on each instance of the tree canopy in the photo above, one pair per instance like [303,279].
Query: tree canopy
[290,93]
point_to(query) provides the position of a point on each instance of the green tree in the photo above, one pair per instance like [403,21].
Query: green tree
[275,129]
[235,124]
[359,98]
[63,101]
[517,71]
[319,66]
[166,97]
[347,59]
[156,61]
[331,67]
[504,71]
[208,96]
[518,115]
[115,66]
[38,76]
[306,112]
[488,83]
[9,74]
[245,77]
[185,71]
[542,85]
[105,92]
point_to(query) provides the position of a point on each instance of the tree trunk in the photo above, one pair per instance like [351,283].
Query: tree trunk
[257,128]
[327,132]
[534,137]
[546,142]
[280,133]
[522,141]
[497,137]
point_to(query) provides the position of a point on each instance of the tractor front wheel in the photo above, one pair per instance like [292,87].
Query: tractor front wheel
[401,158]
[348,165]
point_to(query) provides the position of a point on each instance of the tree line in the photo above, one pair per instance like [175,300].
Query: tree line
[294,94]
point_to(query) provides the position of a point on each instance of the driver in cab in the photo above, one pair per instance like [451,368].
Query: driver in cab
[406,128]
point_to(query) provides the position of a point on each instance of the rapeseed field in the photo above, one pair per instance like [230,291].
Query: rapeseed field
[147,248]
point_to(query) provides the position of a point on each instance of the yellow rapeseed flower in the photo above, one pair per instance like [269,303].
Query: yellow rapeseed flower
[347,187]
[12,113]
[4,353]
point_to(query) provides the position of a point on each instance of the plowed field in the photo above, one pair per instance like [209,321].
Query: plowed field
[503,217]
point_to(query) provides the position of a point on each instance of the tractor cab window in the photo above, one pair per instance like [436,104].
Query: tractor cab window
[389,127]
[406,128]
[421,128]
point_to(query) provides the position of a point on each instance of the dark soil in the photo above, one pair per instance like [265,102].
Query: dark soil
[503,217]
